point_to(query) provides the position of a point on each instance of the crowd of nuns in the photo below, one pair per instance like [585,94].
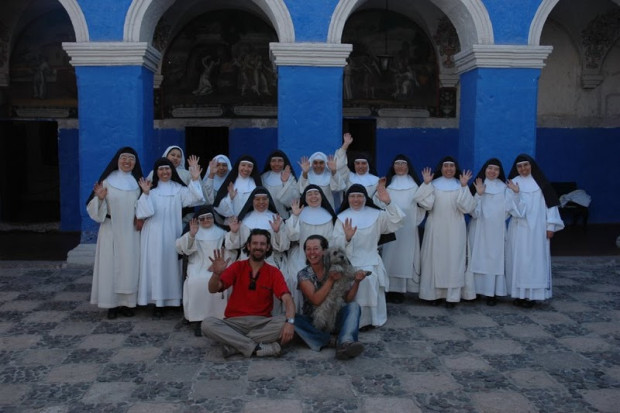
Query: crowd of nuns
[483,236]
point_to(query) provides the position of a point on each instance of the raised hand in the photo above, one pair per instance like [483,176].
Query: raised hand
[193,227]
[349,229]
[480,186]
[304,164]
[234,225]
[361,274]
[382,193]
[427,175]
[145,185]
[332,164]
[465,177]
[232,192]
[347,140]
[286,174]
[276,223]
[100,191]
[295,207]
[512,185]
[194,169]
[218,263]
[212,168]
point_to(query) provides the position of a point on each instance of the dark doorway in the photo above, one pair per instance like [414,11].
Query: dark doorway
[364,136]
[206,143]
[29,178]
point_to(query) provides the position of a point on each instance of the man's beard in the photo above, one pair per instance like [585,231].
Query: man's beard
[261,255]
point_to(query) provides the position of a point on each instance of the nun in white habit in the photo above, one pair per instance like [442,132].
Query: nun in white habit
[444,247]
[321,170]
[218,170]
[356,168]
[160,204]
[203,236]
[402,256]
[175,155]
[311,215]
[358,228]
[112,204]
[528,256]
[487,229]
[237,187]
[279,178]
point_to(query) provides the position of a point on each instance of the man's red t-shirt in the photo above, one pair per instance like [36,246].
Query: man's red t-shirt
[243,301]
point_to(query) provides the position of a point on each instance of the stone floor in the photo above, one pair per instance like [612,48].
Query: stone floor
[60,354]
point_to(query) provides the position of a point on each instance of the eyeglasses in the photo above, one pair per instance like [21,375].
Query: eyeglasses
[252,286]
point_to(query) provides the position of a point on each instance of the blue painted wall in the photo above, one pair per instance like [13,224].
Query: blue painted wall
[115,109]
[511,19]
[309,109]
[586,156]
[311,18]
[68,153]
[258,143]
[498,115]
[105,19]
[424,147]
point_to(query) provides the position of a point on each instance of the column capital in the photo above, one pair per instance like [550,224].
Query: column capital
[113,54]
[310,54]
[501,56]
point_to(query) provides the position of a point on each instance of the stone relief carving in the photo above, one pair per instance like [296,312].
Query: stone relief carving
[599,36]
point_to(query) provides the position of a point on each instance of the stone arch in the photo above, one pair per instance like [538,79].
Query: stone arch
[77,20]
[470,18]
[143,15]
[540,18]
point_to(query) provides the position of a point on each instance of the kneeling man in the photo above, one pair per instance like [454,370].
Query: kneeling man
[248,327]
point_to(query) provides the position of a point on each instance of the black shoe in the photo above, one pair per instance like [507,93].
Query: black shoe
[366,328]
[518,302]
[127,312]
[527,304]
[197,330]
[450,304]
[158,312]
[491,301]
[349,350]
[112,313]
[436,302]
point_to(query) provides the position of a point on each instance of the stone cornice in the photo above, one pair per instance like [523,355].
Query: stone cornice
[501,56]
[113,54]
[310,54]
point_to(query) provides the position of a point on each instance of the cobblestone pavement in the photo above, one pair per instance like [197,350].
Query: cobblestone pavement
[60,354]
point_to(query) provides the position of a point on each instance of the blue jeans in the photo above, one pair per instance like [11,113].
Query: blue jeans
[347,326]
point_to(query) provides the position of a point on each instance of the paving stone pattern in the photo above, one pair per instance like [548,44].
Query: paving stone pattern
[58,353]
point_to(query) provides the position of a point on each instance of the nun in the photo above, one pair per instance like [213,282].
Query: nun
[402,256]
[160,204]
[444,247]
[310,215]
[236,188]
[358,229]
[322,171]
[356,168]
[528,256]
[259,212]
[218,170]
[112,204]
[203,236]
[487,229]
[279,178]
[175,155]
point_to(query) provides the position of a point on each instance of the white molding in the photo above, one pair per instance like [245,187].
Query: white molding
[539,20]
[78,21]
[309,54]
[113,54]
[501,56]
[449,79]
